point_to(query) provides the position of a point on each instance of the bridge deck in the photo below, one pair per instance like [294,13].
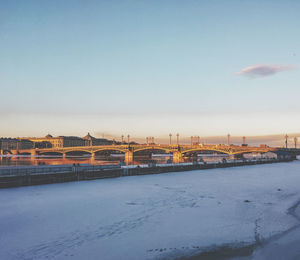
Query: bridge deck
[136,148]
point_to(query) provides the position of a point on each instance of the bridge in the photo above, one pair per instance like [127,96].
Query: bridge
[178,151]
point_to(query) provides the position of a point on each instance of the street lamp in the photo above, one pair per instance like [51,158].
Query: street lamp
[286,141]
[228,139]
[150,140]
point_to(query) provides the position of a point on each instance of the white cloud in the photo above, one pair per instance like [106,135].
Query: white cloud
[263,70]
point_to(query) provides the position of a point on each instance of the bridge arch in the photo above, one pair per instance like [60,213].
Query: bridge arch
[110,149]
[206,149]
[5,152]
[68,152]
[153,148]
[24,153]
[49,152]
[77,153]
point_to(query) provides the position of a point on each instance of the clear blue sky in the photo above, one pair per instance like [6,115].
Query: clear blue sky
[148,67]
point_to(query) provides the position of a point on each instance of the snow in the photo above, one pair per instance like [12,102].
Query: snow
[151,216]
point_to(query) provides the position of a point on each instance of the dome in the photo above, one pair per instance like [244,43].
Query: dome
[49,136]
[88,136]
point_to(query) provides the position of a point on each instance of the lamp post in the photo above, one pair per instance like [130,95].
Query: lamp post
[286,141]
[228,139]
[170,138]
[150,140]
[177,135]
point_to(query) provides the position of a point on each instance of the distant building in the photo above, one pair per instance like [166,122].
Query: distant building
[283,154]
[25,144]
[71,141]
[93,141]
[56,142]
[46,142]
[263,146]
[15,144]
[8,143]
[270,155]
[65,141]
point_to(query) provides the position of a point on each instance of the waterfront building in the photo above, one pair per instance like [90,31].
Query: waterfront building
[93,141]
[63,141]
[56,142]
[15,144]
[71,141]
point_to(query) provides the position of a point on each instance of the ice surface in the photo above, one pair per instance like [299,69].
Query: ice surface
[148,217]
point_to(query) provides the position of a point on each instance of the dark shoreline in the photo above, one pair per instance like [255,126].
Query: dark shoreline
[224,252]
[80,173]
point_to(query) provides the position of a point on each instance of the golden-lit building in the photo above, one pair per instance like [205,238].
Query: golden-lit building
[56,142]
[92,141]
[66,141]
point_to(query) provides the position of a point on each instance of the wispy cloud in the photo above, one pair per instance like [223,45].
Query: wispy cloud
[263,70]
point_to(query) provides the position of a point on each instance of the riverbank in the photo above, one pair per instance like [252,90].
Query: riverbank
[158,216]
[280,246]
[37,175]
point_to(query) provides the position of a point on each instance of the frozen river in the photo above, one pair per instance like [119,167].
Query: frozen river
[155,216]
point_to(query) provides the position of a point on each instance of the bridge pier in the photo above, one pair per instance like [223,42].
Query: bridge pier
[92,158]
[33,153]
[238,156]
[177,157]
[15,152]
[129,158]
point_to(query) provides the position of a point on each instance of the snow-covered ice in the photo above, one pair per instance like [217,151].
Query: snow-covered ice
[149,217]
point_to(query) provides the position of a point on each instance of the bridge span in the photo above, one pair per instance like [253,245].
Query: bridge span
[178,151]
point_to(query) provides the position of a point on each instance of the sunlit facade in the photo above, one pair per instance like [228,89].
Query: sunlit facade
[62,141]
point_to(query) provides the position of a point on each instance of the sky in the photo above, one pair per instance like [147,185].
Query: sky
[149,68]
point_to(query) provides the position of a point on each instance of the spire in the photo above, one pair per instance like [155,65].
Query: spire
[88,136]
